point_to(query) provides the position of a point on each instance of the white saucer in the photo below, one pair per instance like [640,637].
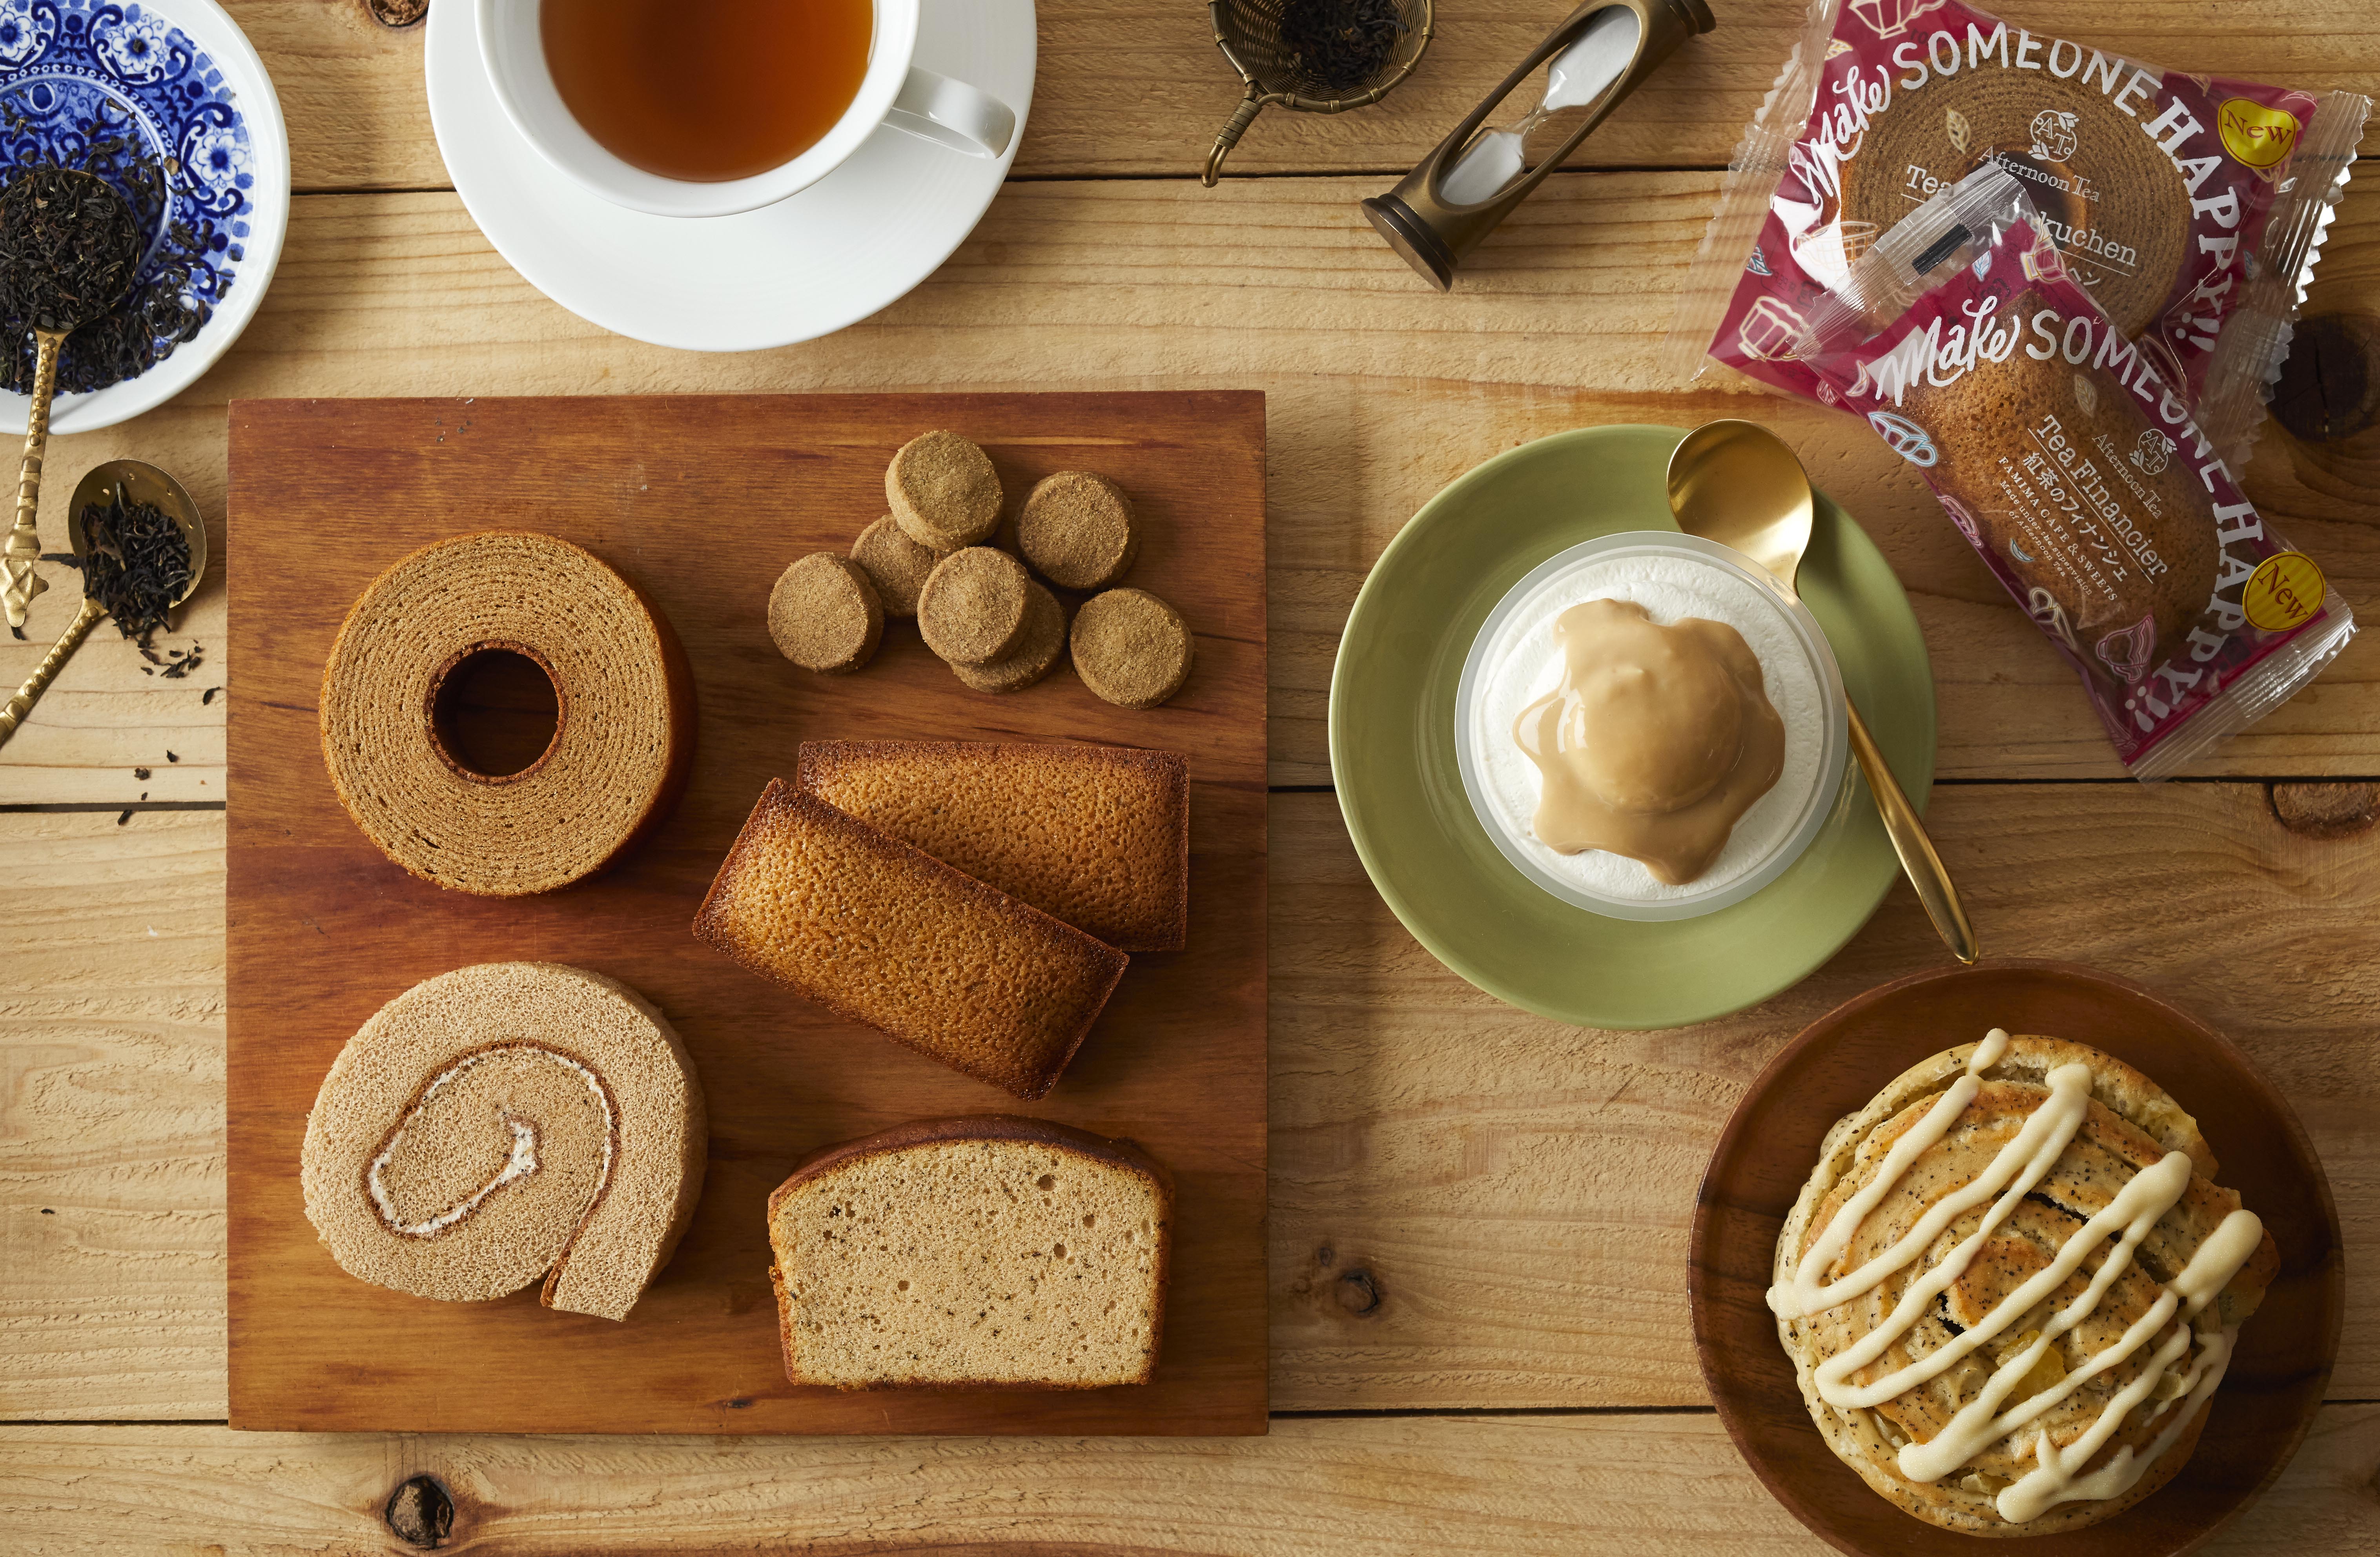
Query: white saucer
[831,255]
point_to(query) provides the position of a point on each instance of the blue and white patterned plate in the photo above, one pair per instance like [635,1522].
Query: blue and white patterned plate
[183,83]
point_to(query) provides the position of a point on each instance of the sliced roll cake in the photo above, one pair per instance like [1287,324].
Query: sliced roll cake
[989,1250]
[503,1123]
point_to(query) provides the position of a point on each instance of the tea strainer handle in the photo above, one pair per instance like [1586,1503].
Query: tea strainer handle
[1241,116]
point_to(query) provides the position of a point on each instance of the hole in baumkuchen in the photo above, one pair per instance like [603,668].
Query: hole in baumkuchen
[495,711]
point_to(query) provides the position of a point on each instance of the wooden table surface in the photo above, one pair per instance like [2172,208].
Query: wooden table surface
[1478,1218]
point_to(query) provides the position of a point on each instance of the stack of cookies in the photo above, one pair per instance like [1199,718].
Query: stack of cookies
[943,557]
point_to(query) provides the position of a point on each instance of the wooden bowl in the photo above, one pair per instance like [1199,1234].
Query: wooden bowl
[2285,1354]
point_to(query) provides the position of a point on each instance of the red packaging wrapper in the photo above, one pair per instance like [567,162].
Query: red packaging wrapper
[2073,464]
[2192,207]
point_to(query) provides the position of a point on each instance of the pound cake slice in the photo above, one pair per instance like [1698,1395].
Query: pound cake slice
[850,917]
[991,1250]
[1096,836]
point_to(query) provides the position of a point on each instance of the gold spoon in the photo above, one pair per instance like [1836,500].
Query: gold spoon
[1736,482]
[62,316]
[137,483]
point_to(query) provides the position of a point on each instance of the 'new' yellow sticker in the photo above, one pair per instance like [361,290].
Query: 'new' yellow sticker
[2256,134]
[2283,592]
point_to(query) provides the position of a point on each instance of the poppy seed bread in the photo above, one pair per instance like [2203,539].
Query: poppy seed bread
[986,1251]
[1096,836]
[852,918]
[505,1122]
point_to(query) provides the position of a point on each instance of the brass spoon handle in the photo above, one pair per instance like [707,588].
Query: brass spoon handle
[43,673]
[24,548]
[1926,871]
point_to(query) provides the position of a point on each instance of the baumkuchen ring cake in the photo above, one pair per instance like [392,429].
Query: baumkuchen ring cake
[508,1122]
[2011,1286]
[623,714]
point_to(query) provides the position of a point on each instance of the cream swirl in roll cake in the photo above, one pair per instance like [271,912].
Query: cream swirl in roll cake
[503,1123]
[2012,1287]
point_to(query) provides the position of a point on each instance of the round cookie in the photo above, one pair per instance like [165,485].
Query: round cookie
[971,611]
[943,492]
[1131,648]
[1077,528]
[1043,640]
[895,563]
[824,614]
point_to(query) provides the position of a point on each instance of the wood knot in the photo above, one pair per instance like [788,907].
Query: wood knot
[420,1512]
[2327,813]
[1357,1291]
[2329,386]
[397,13]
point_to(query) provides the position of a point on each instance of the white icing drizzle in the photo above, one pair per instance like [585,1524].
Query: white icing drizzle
[520,1162]
[2014,1170]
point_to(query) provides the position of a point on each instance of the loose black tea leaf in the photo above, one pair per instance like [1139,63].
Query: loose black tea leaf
[68,245]
[1340,44]
[138,567]
[163,309]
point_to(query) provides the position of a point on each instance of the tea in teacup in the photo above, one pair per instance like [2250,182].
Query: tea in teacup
[708,90]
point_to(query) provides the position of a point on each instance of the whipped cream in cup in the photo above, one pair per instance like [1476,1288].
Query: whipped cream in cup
[1515,660]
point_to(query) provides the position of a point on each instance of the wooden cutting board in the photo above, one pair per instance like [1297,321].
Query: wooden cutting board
[703,500]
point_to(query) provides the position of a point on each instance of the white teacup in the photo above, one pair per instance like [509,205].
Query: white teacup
[892,93]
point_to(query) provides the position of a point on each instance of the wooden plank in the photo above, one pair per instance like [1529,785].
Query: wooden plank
[324,930]
[1496,1486]
[1470,1206]
[1137,86]
[1380,392]
[112,1162]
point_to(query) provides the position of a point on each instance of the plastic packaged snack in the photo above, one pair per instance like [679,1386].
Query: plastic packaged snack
[2076,469]
[2193,207]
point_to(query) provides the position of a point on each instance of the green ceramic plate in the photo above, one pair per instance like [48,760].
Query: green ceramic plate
[1392,748]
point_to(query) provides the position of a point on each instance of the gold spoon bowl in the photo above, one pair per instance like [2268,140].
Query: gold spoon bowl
[137,482]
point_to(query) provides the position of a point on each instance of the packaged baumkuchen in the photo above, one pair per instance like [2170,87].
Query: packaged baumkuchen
[2073,464]
[2192,207]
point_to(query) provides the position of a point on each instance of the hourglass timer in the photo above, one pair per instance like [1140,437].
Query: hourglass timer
[1474,177]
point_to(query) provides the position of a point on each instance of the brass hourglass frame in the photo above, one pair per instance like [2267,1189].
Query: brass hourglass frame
[1248,31]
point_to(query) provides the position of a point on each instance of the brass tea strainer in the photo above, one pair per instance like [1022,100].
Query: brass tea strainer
[1250,33]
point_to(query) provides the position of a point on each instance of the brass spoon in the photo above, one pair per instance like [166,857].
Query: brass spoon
[138,483]
[18,582]
[1736,482]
